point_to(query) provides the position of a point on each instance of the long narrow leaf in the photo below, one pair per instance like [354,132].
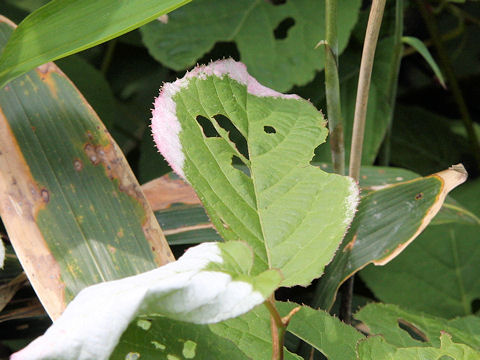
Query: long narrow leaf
[72,207]
[64,27]
[387,221]
[423,50]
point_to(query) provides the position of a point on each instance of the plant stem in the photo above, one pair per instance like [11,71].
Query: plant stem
[107,58]
[277,328]
[332,89]
[366,65]
[393,80]
[447,68]
[345,312]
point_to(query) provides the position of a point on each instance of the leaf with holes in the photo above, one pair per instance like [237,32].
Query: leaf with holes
[208,284]
[277,42]
[375,347]
[403,328]
[292,214]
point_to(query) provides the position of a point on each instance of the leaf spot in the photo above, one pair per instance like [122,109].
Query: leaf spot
[157,345]
[419,196]
[144,324]
[132,356]
[45,195]
[172,357]
[78,165]
[189,349]
[281,31]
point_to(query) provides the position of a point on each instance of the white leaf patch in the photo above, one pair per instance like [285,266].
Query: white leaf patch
[94,321]
[165,124]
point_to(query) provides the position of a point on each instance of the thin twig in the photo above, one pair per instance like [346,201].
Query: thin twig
[447,69]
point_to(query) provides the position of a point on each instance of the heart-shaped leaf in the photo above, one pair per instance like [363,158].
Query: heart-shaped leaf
[292,214]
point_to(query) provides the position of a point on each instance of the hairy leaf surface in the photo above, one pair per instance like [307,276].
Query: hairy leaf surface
[292,214]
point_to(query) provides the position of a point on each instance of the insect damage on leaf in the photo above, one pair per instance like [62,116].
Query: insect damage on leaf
[247,150]
[165,125]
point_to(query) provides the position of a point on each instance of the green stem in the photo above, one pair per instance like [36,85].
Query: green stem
[393,80]
[447,69]
[332,88]
[366,65]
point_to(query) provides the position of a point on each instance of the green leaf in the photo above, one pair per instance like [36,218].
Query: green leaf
[208,284]
[404,328]
[85,23]
[324,332]
[423,50]
[74,212]
[437,274]
[387,221]
[424,142]
[292,214]
[166,339]
[184,221]
[276,62]
[251,333]
[376,348]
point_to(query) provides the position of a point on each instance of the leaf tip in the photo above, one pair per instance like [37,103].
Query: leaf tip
[453,176]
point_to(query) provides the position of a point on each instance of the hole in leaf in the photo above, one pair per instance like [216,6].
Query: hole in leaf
[238,164]
[475,304]
[207,127]
[233,134]
[278,2]
[269,129]
[281,31]
[414,332]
